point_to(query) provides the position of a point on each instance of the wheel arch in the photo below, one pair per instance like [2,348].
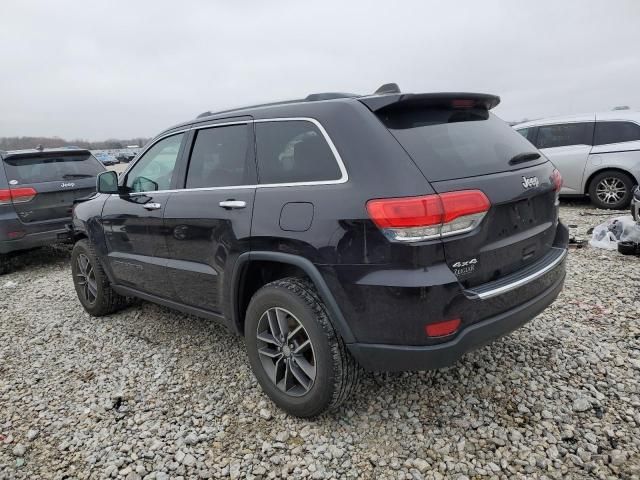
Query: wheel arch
[593,174]
[240,296]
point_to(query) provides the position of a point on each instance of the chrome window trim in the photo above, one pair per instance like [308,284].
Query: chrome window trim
[125,172]
[344,176]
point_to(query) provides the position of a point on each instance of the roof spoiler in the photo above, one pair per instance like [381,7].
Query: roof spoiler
[445,99]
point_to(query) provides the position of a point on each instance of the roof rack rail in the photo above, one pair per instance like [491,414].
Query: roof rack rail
[387,88]
[315,97]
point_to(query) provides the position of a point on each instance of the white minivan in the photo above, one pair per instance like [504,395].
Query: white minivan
[598,154]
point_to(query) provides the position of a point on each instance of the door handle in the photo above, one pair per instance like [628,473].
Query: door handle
[152,206]
[229,204]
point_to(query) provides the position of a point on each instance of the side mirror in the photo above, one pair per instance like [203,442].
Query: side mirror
[107,182]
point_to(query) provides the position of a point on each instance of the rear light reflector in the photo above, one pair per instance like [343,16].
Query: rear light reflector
[413,219]
[16,234]
[17,195]
[556,179]
[442,329]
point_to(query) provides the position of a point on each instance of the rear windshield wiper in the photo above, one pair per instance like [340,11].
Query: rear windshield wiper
[76,175]
[524,157]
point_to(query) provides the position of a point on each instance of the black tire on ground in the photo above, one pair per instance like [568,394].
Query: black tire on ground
[628,248]
[100,299]
[336,371]
[5,264]
[618,197]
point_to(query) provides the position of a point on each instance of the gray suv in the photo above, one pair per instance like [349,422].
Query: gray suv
[37,191]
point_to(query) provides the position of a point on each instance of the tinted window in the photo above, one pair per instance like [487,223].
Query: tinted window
[455,143]
[616,132]
[294,151]
[220,158]
[528,133]
[154,170]
[52,167]
[565,134]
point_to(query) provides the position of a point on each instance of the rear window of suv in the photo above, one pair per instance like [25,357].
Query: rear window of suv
[51,167]
[454,143]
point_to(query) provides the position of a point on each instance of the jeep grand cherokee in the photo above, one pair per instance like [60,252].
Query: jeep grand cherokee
[386,232]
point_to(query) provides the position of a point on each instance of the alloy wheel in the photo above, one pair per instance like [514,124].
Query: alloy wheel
[86,279]
[286,351]
[611,190]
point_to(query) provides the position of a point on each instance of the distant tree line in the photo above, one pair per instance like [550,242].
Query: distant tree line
[17,143]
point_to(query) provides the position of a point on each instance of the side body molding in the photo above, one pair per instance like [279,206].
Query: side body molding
[309,268]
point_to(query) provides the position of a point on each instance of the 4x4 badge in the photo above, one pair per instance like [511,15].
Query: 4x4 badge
[530,182]
[465,267]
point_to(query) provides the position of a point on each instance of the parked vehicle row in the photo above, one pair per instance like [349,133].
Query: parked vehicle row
[387,232]
[597,154]
[37,190]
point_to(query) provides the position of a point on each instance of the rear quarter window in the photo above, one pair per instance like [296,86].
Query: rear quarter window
[616,132]
[51,168]
[294,151]
[450,143]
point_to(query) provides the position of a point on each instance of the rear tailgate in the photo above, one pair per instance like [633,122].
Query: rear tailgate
[459,145]
[519,228]
[49,182]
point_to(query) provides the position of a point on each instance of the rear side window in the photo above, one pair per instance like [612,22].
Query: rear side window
[528,133]
[294,151]
[51,167]
[616,132]
[565,134]
[450,143]
[221,158]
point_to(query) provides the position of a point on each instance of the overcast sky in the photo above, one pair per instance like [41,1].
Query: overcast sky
[104,69]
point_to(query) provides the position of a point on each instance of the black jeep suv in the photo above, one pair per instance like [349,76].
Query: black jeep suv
[390,232]
[37,190]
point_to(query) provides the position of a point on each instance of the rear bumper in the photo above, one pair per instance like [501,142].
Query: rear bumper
[33,240]
[382,357]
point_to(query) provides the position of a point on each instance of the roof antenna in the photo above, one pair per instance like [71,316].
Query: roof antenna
[387,88]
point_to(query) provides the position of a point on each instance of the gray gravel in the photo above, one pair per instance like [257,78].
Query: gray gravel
[150,393]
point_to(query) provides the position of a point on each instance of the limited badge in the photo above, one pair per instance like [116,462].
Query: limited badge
[465,267]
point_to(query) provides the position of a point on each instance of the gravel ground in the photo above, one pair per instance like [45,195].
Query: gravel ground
[151,393]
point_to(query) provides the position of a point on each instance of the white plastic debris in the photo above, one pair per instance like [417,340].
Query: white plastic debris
[619,229]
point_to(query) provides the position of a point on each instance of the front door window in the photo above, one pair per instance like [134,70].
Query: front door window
[155,169]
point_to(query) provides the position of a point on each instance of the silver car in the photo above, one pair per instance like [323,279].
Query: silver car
[598,154]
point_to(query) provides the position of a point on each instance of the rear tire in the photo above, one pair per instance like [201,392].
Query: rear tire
[307,381]
[611,190]
[5,264]
[91,283]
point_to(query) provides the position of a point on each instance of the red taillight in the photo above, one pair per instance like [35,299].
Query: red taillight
[442,329]
[463,103]
[556,178]
[17,195]
[406,212]
[413,219]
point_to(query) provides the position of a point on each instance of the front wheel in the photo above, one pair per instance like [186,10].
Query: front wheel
[296,355]
[611,189]
[91,282]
